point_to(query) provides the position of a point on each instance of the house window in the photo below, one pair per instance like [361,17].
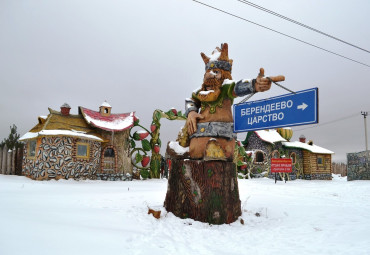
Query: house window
[109,152]
[293,156]
[320,160]
[275,154]
[32,148]
[259,157]
[82,150]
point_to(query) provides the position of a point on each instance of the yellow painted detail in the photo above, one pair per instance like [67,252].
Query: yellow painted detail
[214,150]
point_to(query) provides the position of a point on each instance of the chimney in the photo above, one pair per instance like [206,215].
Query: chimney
[64,109]
[105,109]
[302,139]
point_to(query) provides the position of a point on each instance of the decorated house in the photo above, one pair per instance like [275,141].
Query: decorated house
[88,145]
[309,161]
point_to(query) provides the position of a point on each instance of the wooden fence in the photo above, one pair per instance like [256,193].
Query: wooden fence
[11,161]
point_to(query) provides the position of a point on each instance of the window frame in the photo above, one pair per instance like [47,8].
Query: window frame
[322,160]
[29,148]
[263,157]
[87,150]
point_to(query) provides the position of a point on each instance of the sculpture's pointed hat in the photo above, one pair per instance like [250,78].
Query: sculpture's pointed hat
[219,59]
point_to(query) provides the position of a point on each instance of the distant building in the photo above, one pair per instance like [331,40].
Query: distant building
[309,161]
[89,145]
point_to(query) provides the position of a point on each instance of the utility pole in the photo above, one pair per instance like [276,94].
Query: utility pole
[365,114]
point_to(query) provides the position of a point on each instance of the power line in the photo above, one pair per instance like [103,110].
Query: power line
[294,38]
[329,122]
[299,23]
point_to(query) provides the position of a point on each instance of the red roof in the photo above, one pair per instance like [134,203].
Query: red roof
[113,122]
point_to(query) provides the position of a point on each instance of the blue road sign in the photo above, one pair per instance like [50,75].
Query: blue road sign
[287,110]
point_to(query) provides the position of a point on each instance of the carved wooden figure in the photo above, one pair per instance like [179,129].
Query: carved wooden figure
[205,187]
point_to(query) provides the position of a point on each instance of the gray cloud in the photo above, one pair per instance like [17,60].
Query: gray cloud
[144,55]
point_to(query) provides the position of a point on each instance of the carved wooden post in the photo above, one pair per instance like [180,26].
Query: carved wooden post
[5,157]
[1,160]
[206,191]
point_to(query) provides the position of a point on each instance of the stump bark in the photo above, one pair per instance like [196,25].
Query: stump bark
[205,191]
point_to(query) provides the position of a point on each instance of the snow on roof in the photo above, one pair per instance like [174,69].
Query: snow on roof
[30,135]
[270,136]
[43,117]
[65,105]
[113,122]
[313,148]
[179,150]
[105,104]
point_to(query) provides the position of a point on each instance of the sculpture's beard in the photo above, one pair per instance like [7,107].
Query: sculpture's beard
[211,89]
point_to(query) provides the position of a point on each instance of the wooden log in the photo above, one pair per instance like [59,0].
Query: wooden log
[9,162]
[1,160]
[12,167]
[205,191]
[5,157]
[19,161]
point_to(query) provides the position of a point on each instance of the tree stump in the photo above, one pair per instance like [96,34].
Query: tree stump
[205,191]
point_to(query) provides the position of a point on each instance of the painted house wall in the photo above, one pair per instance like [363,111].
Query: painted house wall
[297,167]
[55,158]
[256,144]
[121,145]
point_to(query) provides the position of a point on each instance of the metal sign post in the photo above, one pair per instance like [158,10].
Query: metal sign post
[300,108]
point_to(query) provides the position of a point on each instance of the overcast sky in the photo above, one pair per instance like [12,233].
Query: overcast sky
[144,55]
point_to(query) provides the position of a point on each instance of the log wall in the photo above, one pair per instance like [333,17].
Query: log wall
[314,171]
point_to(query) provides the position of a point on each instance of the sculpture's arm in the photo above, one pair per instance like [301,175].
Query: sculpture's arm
[260,84]
[191,111]
[244,87]
[190,105]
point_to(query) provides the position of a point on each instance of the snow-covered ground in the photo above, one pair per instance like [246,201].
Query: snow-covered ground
[98,217]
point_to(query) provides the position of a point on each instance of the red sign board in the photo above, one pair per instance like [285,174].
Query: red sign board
[281,165]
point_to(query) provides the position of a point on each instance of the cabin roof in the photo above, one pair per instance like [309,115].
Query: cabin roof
[270,136]
[56,124]
[113,122]
[312,148]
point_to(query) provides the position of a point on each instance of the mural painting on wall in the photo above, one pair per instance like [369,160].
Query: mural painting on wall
[203,181]
[57,158]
